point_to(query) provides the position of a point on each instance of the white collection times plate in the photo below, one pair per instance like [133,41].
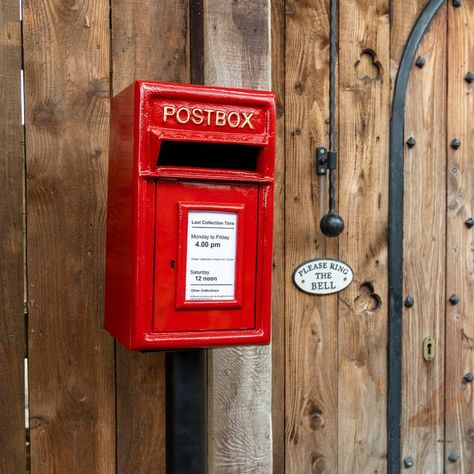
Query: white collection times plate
[210,256]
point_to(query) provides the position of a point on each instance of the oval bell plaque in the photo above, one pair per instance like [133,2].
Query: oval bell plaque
[322,276]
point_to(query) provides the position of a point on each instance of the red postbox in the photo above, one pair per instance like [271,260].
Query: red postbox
[190,216]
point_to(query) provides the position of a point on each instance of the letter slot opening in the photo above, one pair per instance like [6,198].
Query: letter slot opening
[209,155]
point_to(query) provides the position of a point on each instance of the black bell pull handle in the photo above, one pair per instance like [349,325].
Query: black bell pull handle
[332,224]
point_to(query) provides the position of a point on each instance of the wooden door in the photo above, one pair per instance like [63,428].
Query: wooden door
[360,395]
[437,406]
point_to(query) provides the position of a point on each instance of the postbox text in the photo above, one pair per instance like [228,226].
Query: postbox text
[209,117]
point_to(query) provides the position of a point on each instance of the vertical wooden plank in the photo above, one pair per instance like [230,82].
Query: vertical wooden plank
[422,423]
[12,337]
[279,272]
[364,103]
[311,322]
[403,14]
[460,242]
[72,399]
[149,41]
[237,54]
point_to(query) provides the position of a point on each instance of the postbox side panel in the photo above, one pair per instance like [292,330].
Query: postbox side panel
[121,245]
[205,256]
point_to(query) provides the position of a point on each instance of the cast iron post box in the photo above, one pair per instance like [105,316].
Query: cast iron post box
[190,216]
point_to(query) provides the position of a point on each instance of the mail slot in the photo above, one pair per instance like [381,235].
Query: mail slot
[190,216]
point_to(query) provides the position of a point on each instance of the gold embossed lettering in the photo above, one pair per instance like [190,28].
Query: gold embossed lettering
[168,111]
[209,117]
[197,116]
[246,121]
[209,112]
[187,113]
[220,118]
[233,123]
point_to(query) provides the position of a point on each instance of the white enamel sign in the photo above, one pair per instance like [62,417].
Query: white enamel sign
[210,256]
[322,276]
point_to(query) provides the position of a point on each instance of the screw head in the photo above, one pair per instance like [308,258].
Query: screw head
[409,301]
[411,142]
[456,3]
[455,143]
[469,77]
[408,462]
[420,61]
[469,222]
[454,299]
[469,377]
[453,456]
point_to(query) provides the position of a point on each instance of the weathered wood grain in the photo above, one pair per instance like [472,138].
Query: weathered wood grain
[460,242]
[422,423]
[237,54]
[364,114]
[149,41]
[71,369]
[403,14]
[311,322]
[279,271]
[12,337]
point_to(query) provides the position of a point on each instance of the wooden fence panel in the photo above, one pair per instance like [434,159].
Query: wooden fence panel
[12,337]
[71,369]
[149,41]
[424,254]
[97,409]
[237,54]
[311,322]
[279,269]
[364,117]
[460,263]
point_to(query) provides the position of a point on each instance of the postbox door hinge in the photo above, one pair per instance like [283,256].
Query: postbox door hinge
[325,160]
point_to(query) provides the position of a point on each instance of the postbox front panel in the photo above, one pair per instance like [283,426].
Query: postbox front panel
[205,256]
[190,213]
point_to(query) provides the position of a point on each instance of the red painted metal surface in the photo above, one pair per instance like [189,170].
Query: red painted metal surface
[175,150]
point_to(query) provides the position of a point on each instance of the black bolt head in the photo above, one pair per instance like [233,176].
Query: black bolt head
[408,462]
[453,456]
[469,77]
[455,143]
[456,3]
[454,299]
[469,223]
[469,377]
[409,301]
[420,61]
[331,224]
[411,142]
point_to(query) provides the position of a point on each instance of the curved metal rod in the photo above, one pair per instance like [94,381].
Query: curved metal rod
[395,252]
